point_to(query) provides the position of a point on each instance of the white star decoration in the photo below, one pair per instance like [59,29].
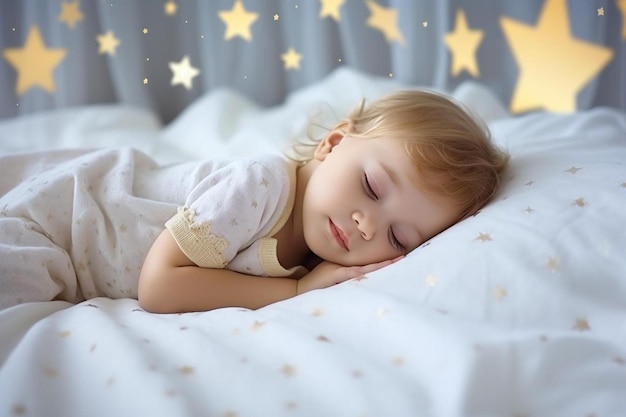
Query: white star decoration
[183,72]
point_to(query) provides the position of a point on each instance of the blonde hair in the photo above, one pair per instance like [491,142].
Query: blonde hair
[449,147]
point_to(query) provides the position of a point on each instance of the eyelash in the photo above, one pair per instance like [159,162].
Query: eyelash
[371,194]
[395,242]
[368,188]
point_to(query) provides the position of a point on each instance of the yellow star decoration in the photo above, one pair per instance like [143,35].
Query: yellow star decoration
[385,20]
[107,43]
[331,8]
[34,63]
[600,11]
[70,13]
[463,44]
[622,8]
[238,21]
[291,59]
[553,66]
[170,7]
[183,72]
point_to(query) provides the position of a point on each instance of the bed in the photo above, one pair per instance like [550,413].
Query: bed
[517,311]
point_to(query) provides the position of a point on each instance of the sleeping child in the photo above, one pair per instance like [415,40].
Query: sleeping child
[195,236]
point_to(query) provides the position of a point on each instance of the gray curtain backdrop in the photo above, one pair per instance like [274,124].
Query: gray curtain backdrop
[255,69]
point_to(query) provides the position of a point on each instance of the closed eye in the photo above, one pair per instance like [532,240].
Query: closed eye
[368,188]
[395,242]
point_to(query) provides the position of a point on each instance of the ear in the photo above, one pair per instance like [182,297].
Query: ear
[332,139]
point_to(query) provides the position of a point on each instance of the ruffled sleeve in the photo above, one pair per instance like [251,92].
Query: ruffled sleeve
[233,206]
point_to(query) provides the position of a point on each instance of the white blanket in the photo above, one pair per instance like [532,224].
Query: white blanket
[518,311]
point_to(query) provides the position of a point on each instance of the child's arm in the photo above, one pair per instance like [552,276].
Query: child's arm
[170,283]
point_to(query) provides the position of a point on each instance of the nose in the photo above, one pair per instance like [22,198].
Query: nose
[364,224]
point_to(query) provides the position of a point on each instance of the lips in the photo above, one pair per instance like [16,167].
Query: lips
[339,235]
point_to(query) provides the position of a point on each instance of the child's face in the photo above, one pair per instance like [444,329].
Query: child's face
[362,204]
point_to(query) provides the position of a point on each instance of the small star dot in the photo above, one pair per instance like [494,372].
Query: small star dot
[276,17]
[431,280]
[288,370]
[145,81]
[425,23]
[398,361]
[317,312]
[186,370]
[145,31]
[579,202]
[552,263]
[19,410]
[601,11]
[573,170]
[391,75]
[581,325]
[483,237]
[499,293]
[258,325]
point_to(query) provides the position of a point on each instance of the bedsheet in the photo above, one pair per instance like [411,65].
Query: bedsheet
[517,311]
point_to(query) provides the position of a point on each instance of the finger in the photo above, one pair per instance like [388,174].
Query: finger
[373,267]
[378,265]
[391,261]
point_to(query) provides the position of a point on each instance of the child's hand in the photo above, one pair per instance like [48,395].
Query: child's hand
[327,274]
